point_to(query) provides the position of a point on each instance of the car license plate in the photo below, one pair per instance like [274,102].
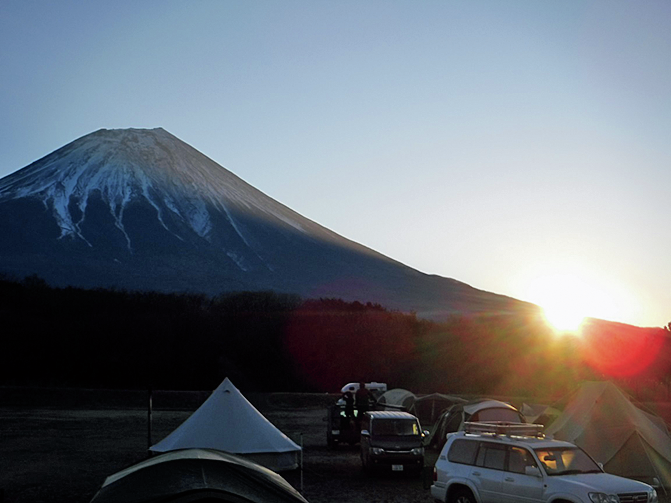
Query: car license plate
[335,432]
[397,468]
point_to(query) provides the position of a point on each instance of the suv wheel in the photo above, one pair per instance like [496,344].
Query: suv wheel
[463,496]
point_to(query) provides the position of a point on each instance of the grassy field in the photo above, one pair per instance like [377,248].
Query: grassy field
[52,453]
[59,445]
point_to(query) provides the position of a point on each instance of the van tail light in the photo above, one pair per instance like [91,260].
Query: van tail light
[435,474]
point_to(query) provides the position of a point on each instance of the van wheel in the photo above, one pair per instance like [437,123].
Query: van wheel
[463,496]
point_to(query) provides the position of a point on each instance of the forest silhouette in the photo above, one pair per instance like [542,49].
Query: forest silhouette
[269,341]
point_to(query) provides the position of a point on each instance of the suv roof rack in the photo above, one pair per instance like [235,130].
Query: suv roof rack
[505,428]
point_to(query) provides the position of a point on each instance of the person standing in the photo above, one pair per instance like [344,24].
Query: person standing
[362,399]
[348,398]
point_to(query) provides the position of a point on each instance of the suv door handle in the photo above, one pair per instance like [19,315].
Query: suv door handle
[477,474]
[510,479]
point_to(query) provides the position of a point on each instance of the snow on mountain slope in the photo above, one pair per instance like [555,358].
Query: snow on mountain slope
[124,166]
[141,209]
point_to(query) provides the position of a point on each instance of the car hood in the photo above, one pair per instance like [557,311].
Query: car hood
[600,482]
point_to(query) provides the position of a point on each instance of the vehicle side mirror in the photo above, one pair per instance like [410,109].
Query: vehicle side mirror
[533,471]
[426,433]
[365,433]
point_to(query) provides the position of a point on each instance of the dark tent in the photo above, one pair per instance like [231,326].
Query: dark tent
[429,408]
[196,475]
[484,410]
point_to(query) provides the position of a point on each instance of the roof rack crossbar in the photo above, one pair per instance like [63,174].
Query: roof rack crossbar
[505,428]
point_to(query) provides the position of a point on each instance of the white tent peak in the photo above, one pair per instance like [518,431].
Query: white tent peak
[228,422]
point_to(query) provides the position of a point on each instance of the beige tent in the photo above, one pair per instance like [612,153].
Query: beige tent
[539,413]
[196,475]
[626,440]
[228,422]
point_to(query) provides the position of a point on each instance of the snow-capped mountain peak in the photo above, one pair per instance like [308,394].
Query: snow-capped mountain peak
[141,209]
[126,166]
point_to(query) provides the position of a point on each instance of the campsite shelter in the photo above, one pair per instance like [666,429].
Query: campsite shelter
[396,399]
[486,409]
[194,475]
[228,422]
[539,413]
[428,408]
[627,440]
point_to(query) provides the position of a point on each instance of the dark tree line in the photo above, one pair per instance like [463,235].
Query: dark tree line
[267,341]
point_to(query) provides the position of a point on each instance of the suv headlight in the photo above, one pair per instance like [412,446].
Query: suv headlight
[418,451]
[652,496]
[377,451]
[604,498]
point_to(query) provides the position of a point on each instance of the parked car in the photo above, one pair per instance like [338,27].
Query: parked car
[501,463]
[391,440]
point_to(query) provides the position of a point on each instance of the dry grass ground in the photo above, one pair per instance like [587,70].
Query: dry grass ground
[55,454]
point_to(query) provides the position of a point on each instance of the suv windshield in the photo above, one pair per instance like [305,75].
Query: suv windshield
[395,427]
[566,461]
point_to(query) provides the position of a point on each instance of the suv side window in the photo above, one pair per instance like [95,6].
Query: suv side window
[491,455]
[462,451]
[519,459]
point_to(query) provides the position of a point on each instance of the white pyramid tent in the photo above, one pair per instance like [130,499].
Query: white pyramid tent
[228,422]
[627,440]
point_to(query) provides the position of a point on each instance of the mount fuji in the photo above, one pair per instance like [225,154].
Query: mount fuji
[140,209]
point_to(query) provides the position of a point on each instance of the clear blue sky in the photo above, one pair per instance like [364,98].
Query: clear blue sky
[517,146]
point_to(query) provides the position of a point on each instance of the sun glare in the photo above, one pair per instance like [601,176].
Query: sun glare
[568,298]
[563,318]
[562,302]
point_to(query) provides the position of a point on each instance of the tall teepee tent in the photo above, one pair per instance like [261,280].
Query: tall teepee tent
[228,422]
[627,440]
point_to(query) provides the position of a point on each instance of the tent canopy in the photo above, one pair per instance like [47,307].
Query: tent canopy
[453,419]
[226,421]
[428,408]
[194,475]
[539,413]
[628,441]
[396,399]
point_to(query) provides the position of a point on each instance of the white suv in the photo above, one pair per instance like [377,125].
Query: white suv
[501,463]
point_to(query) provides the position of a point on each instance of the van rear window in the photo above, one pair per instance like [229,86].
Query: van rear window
[462,451]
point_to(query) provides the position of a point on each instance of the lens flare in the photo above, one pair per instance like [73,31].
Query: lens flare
[617,350]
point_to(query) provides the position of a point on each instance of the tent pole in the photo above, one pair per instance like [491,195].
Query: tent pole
[149,411]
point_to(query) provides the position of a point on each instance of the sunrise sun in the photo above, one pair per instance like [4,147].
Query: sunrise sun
[563,316]
[567,298]
[564,303]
